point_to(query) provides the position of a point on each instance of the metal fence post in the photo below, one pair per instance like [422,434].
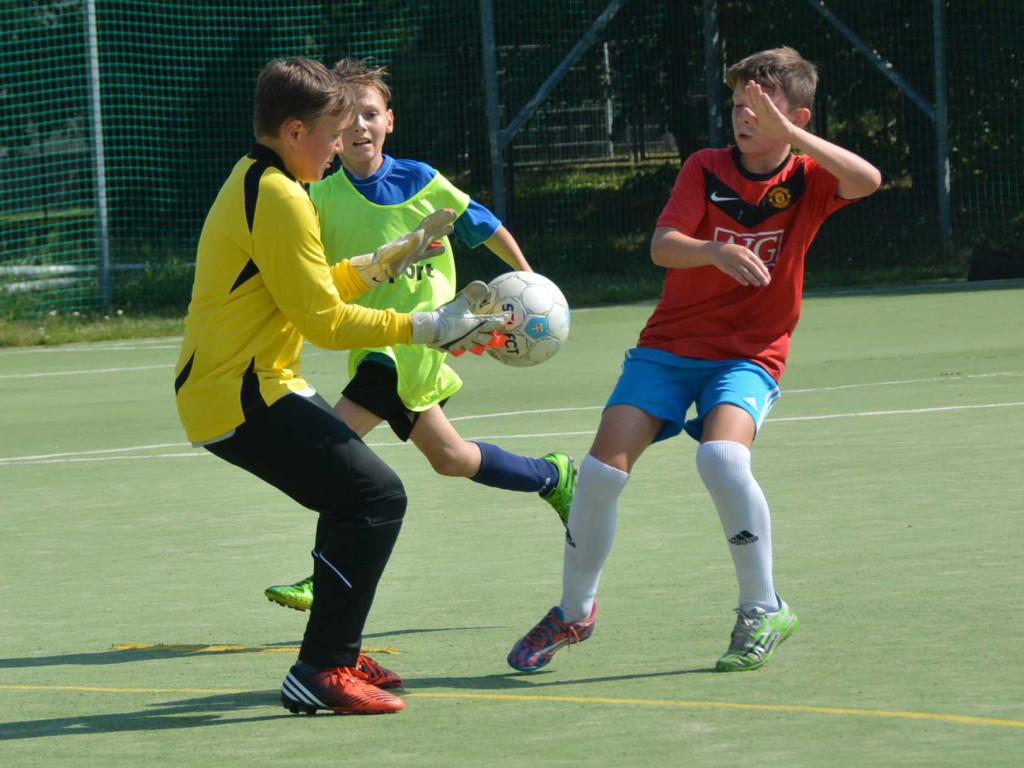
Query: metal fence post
[713,73]
[490,55]
[942,124]
[99,161]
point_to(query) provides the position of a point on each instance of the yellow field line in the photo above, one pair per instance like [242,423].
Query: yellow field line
[725,705]
[666,703]
[229,648]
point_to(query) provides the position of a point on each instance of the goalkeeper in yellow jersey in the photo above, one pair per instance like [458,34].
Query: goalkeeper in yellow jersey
[373,193]
[262,285]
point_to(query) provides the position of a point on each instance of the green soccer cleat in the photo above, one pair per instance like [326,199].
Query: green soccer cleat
[755,637]
[298,595]
[560,497]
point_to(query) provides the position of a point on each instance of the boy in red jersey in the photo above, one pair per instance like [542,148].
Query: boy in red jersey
[732,237]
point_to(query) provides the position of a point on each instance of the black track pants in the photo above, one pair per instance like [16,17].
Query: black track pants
[301,447]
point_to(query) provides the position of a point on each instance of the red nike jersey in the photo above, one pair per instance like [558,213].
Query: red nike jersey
[706,314]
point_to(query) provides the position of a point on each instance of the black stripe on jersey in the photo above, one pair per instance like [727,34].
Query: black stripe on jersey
[265,158]
[182,377]
[249,270]
[251,398]
[727,200]
[251,187]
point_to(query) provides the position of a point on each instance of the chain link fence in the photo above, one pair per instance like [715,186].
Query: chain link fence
[122,119]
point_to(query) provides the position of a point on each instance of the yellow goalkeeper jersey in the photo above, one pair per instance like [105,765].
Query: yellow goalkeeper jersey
[262,284]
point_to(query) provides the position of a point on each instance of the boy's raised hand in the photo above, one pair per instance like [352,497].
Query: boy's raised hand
[764,116]
[457,324]
[392,259]
[440,223]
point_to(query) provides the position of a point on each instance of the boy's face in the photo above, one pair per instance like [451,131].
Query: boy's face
[751,140]
[314,145]
[363,140]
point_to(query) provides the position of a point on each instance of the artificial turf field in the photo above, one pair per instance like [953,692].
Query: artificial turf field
[894,465]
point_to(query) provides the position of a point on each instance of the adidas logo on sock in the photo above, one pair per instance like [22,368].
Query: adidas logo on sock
[743,537]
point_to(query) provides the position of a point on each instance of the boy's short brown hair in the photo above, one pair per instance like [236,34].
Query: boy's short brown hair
[303,89]
[778,68]
[361,73]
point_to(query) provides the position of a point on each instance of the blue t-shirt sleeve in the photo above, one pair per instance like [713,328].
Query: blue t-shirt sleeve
[476,226]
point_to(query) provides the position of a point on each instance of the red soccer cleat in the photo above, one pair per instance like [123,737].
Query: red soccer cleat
[345,690]
[382,677]
[551,633]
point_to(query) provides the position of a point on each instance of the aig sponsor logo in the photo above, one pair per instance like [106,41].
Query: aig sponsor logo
[766,245]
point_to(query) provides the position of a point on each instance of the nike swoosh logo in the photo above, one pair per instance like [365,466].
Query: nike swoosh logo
[716,199]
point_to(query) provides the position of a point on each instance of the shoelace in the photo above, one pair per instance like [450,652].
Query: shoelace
[368,666]
[743,632]
[546,631]
[349,673]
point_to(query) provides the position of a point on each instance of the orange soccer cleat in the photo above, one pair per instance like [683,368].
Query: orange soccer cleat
[382,677]
[345,690]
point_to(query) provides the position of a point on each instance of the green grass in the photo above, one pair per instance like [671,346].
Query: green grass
[73,327]
[892,464]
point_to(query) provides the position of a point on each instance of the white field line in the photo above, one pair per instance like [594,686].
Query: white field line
[81,373]
[93,456]
[902,412]
[129,369]
[950,377]
[97,452]
[110,346]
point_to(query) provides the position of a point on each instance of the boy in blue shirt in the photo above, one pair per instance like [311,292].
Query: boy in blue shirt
[374,197]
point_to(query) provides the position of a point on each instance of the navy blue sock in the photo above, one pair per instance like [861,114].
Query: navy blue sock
[501,469]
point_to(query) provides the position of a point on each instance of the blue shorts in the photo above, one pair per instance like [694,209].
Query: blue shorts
[666,385]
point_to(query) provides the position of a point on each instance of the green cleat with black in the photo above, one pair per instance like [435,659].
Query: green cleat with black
[756,636]
[560,497]
[298,595]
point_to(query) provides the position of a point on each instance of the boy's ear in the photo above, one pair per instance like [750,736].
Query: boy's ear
[291,130]
[801,117]
[391,121]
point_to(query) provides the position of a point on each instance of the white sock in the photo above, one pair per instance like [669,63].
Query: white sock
[591,532]
[724,466]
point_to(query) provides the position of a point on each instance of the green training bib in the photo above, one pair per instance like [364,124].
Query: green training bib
[351,225]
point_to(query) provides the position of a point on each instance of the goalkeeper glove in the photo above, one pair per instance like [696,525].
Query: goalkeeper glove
[392,259]
[457,324]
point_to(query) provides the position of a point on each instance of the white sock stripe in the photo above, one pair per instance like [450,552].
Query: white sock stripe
[319,556]
[297,690]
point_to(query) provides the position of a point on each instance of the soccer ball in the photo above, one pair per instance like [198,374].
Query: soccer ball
[540,318]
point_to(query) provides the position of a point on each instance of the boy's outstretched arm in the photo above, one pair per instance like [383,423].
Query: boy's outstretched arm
[857,177]
[505,247]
